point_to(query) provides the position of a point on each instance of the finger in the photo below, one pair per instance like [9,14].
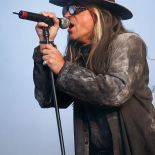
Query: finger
[48,14]
[53,16]
[41,24]
[55,19]
[45,63]
[46,52]
[44,47]
[49,60]
[44,13]
[46,57]
[48,46]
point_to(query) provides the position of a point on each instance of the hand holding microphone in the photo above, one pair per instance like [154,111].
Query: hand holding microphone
[52,29]
[64,23]
[51,56]
[44,17]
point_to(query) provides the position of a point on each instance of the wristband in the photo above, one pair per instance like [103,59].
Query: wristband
[50,42]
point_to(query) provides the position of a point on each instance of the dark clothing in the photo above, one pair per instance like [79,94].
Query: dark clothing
[95,120]
[120,100]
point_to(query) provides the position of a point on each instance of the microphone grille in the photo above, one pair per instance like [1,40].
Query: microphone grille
[64,23]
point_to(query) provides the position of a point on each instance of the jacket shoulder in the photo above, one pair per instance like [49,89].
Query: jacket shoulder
[128,38]
[128,45]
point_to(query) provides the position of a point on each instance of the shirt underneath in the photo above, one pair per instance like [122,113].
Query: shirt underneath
[95,125]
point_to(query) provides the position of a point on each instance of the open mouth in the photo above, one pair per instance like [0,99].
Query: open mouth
[71,25]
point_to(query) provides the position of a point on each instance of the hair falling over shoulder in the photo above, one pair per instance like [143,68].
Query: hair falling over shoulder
[106,28]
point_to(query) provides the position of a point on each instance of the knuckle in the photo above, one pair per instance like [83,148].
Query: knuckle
[50,61]
[57,20]
[53,14]
[44,13]
[43,52]
[46,46]
[51,55]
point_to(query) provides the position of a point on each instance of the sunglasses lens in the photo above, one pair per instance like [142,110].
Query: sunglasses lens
[72,9]
[64,10]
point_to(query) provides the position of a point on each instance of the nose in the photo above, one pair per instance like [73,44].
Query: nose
[67,15]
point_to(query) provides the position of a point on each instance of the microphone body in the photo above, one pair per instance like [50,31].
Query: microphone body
[63,22]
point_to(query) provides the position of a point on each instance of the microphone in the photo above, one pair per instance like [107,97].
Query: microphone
[63,22]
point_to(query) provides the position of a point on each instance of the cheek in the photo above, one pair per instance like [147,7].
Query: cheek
[86,25]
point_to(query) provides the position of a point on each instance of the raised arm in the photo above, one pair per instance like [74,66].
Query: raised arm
[42,81]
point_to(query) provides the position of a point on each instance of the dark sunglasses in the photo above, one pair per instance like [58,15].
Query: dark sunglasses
[73,9]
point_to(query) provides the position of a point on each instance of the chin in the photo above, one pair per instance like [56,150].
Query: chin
[72,38]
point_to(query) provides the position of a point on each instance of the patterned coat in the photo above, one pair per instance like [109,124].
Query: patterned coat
[122,95]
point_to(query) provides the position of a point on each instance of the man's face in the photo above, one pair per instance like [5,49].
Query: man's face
[81,27]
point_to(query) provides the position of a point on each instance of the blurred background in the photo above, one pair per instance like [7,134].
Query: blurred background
[25,128]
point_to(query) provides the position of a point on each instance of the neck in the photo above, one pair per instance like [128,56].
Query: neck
[87,42]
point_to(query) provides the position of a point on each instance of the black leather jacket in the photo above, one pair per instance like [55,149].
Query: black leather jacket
[120,99]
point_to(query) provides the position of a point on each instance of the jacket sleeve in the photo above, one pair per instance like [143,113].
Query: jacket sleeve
[43,88]
[120,82]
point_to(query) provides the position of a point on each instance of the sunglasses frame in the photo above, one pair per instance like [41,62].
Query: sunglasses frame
[77,8]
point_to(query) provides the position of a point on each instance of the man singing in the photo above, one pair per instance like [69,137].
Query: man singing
[104,74]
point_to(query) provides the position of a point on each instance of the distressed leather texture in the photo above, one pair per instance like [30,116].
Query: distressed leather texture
[120,100]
